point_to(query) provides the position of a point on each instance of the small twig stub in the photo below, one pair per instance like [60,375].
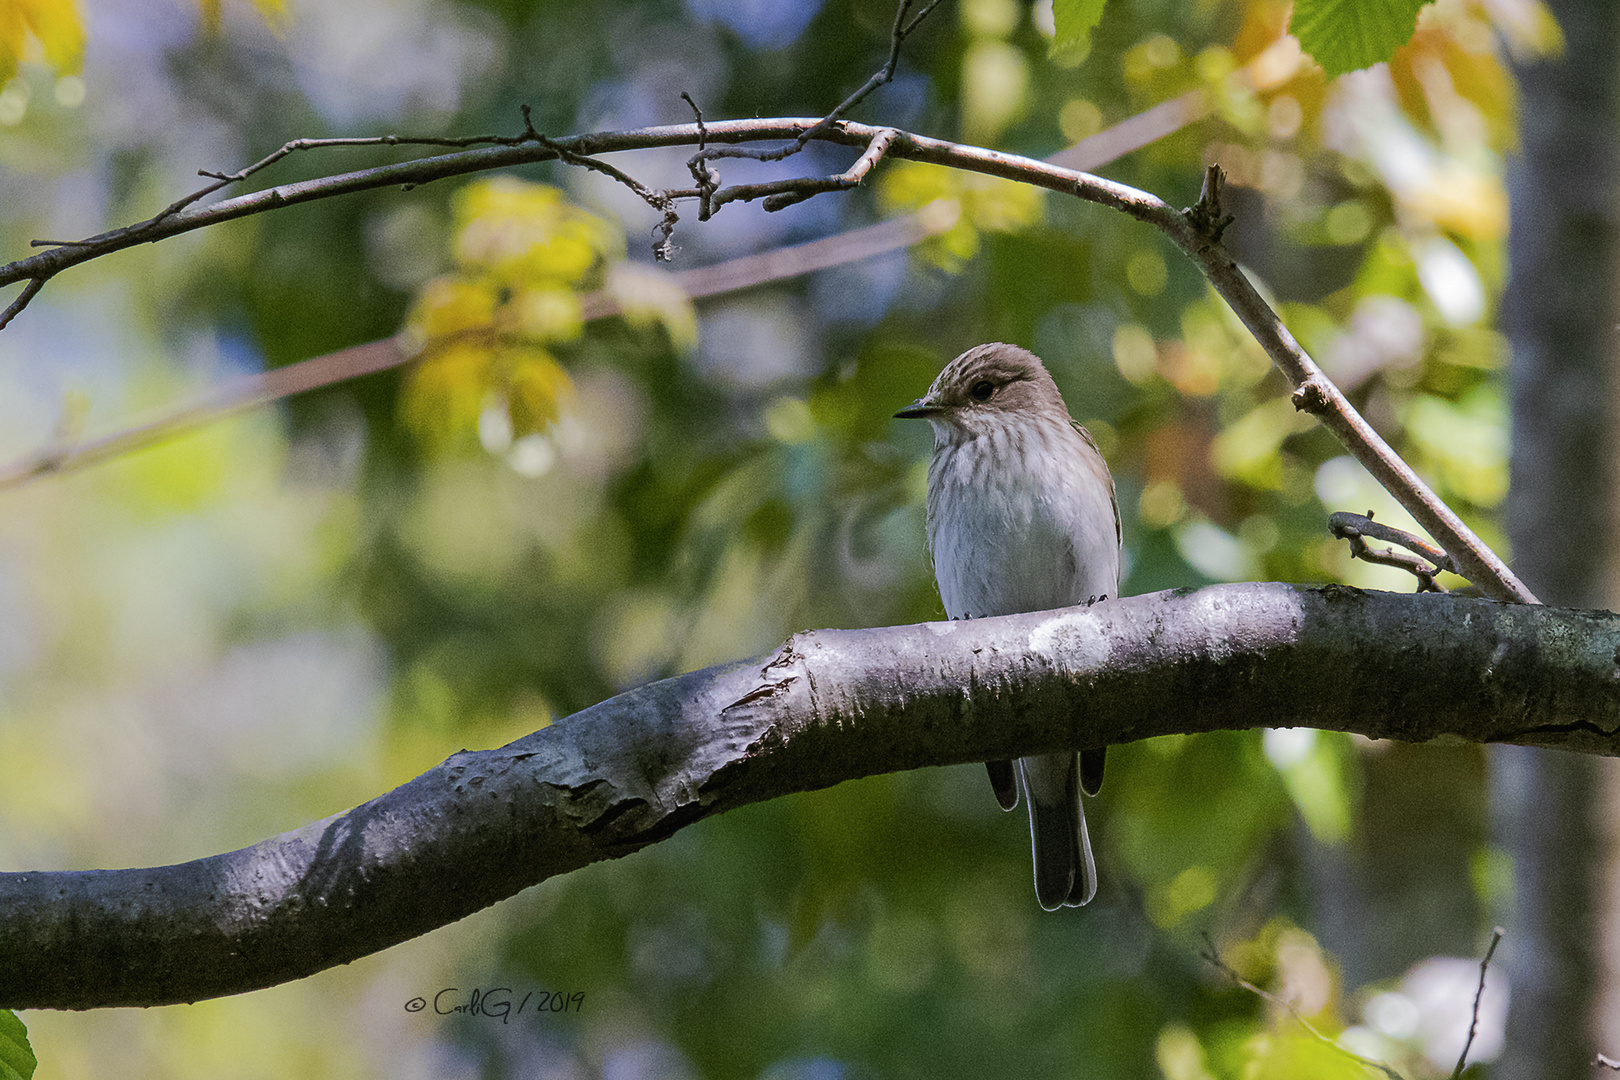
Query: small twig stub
[1356,528]
[1205,215]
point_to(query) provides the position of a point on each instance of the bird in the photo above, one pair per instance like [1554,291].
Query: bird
[1022,516]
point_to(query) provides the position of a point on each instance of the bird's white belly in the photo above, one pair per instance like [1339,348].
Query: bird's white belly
[999,548]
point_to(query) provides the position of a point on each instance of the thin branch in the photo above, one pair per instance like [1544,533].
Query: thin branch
[897,36]
[1206,215]
[1356,527]
[828,706]
[30,291]
[233,397]
[1197,232]
[1473,1025]
[660,200]
[1366,526]
[708,181]
[780,194]
[1213,957]
[223,180]
[883,75]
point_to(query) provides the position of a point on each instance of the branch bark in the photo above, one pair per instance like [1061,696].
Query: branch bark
[829,706]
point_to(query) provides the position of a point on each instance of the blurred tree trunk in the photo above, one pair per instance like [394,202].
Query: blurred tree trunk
[1559,314]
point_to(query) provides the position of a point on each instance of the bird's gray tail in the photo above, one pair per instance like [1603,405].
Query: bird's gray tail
[1004,782]
[1065,872]
[1091,769]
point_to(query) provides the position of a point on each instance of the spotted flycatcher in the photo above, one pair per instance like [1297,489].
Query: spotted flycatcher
[1022,517]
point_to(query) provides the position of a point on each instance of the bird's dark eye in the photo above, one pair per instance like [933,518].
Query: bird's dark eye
[982,390]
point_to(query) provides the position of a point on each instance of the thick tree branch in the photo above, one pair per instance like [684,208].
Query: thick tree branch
[829,706]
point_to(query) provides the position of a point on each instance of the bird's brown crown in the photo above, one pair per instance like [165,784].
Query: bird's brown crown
[994,378]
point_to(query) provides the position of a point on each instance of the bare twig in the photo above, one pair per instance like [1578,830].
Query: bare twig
[30,291]
[222,180]
[1315,393]
[897,36]
[708,180]
[1212,957]
[1342,523]
[780,194]
[1473,1026]
[1356,528]
[660,200]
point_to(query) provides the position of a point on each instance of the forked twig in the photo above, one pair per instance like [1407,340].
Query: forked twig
[1212,957]
[780,194]
[1473,1025]
[797,191]
[1357,527]
[30,291]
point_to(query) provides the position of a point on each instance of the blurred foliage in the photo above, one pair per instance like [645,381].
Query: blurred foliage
[48,29]
[52,31]
[521,254]
[274,12]
[17,1061]
[272,620]
[963,204]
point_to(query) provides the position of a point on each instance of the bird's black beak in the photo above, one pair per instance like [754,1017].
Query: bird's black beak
[921,409]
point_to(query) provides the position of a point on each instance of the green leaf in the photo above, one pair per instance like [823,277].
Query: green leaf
[1348,35]
[1075,20]
[17,1060]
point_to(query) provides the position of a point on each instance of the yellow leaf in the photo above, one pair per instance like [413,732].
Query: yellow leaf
[274,13]
[448,305]
[1464,201]
[547,314]
[444,393]
[526,234]
[40,29]
[537,387]
[1290,1056]
[998,205]
[910,185]
[523,254]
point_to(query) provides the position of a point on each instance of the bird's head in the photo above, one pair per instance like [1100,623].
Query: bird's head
[985,386]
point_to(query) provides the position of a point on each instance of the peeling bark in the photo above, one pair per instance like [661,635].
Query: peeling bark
[828,706]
